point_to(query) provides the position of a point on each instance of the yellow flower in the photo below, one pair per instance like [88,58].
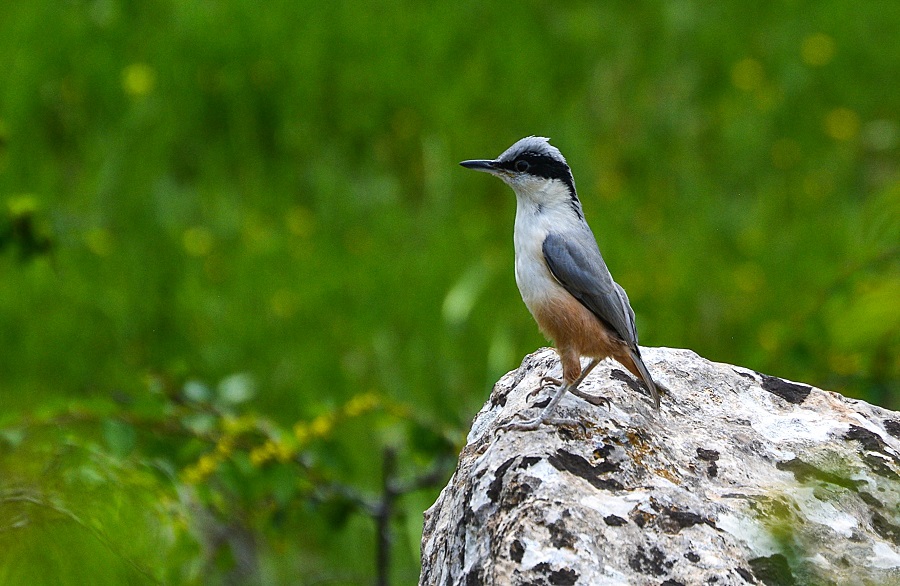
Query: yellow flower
[202,469]
[260,455]
[208,463]
[225,446]
[237,425]
[818,49]
[301,432]
[322,425]
[271,450]
[284,452]
[360,404]
[138,79]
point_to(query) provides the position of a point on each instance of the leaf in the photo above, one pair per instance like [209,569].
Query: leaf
[119,436]
[199,423]
[236,389]
[197,392]
[12,436]
[460,300]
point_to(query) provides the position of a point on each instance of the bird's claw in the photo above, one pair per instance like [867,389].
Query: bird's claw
[592,399]
[546,381]
[529,425]
[532,424]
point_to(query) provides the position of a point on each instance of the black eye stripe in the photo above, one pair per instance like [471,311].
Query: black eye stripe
[542,166]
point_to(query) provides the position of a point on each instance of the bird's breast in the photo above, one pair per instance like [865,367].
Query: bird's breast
[536,283]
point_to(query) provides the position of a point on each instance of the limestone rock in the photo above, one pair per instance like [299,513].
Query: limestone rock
[740,478]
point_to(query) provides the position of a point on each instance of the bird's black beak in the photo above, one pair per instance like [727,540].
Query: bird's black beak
[481,165]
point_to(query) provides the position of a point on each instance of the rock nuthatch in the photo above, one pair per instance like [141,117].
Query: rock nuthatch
[560,273]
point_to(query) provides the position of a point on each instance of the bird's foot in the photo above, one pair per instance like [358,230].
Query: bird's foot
[592,399]
[532,424]
[546,381]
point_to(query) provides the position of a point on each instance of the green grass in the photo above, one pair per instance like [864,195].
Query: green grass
[228,188]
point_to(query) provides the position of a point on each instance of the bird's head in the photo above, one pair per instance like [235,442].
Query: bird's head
[535,169]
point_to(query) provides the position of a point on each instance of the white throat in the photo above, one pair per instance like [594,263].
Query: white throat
[541,206]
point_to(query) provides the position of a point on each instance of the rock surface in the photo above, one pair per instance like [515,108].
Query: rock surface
[740,478]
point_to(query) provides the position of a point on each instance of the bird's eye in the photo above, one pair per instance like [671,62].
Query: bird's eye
[522,166]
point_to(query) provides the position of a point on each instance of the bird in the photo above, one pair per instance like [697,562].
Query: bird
[561,274]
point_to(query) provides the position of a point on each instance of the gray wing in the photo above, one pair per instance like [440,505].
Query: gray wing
[580,269]
[629,313]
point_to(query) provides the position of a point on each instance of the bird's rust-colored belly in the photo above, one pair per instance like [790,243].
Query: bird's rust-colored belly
[567,322]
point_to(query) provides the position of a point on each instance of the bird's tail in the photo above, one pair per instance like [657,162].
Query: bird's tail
[645,375]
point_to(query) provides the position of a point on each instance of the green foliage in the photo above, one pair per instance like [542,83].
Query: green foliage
[190,190]
[218,490]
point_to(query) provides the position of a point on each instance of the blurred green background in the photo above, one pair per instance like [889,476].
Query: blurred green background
[240,267]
